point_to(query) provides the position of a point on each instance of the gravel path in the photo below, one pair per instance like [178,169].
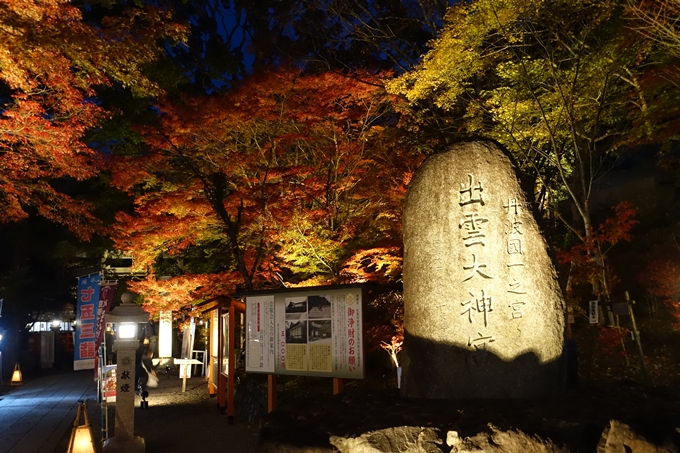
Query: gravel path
[177,421]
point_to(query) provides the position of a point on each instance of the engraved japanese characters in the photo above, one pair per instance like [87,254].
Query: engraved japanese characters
[483,313]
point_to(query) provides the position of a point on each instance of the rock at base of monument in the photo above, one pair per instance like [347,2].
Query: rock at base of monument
[483,312]
[499,441]
[619,437]
[398,439]
[616,438]
[285,434]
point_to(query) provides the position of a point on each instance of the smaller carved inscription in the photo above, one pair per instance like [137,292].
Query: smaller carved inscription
[517,309]
[513,206]
[514,246]
[515,226]
[516,287]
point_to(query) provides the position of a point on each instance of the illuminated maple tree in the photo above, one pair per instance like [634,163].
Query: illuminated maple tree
[51,62]
[293,179]
[615,229]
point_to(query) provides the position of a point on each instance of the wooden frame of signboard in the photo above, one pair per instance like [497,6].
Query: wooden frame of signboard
[224,385]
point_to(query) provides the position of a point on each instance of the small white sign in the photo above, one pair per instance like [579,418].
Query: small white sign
[165,334]
[260,334]
[593,312]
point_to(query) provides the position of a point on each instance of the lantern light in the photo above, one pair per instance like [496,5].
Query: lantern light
[16,375]
[126,317]
[82,440]
[127,330]
[81,436]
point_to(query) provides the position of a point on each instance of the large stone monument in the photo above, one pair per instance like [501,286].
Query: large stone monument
[483,312]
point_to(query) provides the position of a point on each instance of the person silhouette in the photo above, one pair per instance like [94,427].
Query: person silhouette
[144,370]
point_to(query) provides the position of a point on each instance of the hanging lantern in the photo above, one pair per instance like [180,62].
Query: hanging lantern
[81,436]
[16,375]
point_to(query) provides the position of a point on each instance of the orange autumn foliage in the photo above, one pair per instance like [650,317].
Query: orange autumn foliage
[51,62]
[295,175]
[613,230]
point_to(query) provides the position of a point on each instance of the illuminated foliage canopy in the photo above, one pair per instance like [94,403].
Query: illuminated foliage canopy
[291,179]
[51,62]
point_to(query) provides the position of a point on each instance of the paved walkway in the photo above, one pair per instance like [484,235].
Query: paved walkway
[35,416]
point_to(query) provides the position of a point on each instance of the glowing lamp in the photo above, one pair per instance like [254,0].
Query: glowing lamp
[82,441]
[126,317]
[81,436]
[127,330]
[16,375]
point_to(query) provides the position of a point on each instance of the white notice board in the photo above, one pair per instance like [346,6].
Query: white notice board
[312,332]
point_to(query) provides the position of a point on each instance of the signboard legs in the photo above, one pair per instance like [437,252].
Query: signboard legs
[338,385]
[271,392]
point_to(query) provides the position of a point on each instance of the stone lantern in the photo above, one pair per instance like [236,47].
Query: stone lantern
[127,316]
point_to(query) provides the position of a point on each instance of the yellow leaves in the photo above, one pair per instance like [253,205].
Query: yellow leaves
[35,35]
[34,11]
[476,36]
[556,80]
[378,264]
[516,57]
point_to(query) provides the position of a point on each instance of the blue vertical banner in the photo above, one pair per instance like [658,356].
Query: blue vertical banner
[85,349]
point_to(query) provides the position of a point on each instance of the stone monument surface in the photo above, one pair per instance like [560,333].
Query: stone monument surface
[483,311]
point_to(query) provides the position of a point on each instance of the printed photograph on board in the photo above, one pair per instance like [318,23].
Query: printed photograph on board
[296,320]
[296,308]
[319,307]
[319,314]
[296,332]
[320,331]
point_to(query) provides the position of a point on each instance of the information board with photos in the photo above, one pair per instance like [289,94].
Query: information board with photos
[310,332]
